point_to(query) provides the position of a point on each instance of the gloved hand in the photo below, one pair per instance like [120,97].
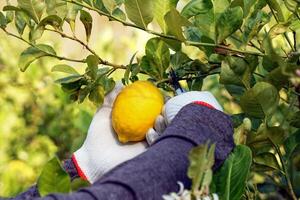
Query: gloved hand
[101,150]
[172,107]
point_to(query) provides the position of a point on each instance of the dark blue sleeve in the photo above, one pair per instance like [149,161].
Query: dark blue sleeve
[156,171]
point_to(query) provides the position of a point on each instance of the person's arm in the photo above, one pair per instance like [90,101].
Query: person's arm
[156,171]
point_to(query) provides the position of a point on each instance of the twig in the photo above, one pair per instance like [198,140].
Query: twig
[47,53]
[74,38]
[286,174]
[295,40]
[260,75]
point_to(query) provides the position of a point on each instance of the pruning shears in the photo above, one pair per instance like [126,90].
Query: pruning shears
[175,82]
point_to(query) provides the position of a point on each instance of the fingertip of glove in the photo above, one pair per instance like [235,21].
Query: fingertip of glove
[151,136]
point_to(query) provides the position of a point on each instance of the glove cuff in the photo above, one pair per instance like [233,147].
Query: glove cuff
[202,103]
[87,169]
[78,169]
[84,166]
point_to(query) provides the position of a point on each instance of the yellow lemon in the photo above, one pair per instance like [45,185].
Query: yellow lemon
[135,109]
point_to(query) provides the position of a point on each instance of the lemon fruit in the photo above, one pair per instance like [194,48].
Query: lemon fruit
[135,109]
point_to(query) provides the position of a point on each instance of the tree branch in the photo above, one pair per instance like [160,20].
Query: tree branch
[74,38]
[48,54]
[190,43]
[181,79]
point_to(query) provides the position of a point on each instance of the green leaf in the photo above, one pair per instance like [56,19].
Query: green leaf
[119,2]
[107,83]
[72,13]
[64,68]
[128,70]
[295,120]
[245,4]
[228,22]
[97,95]
[273,4]
[254,24]
[92,62]
[157,58]
[292,5]
[33,53]
[272,60]
[87,21]
[2,20]
[201,161]
[196,7]
[261,100]
[103,70]
[52,20]
[158,52]
[69,79]
[98,4]
[196,84]
[241,132]
[263,140]
[193,34]
[277,77]
[278,29]
[53,179]
[110,5]
[83,93]
[79,184]
[231,178]
[161,7]
[236,71]
[118,13]
[206,23]
[34,8]
[57,7]
[145,65]
[71,87]
[179,59]
[12,8]
[139,12]
[36,33]
[291,143]
[21,21]
[268,160]
[9,15]
[175,22]
[220,6]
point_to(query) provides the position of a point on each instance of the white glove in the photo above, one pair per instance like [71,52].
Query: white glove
[172,107]
[101,150]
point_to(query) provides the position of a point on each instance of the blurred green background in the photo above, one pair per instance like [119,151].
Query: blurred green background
[37,120]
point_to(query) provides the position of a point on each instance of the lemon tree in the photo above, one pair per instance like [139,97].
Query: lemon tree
[250,46]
